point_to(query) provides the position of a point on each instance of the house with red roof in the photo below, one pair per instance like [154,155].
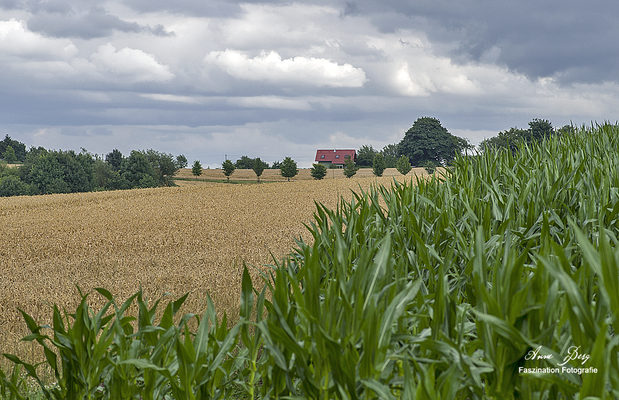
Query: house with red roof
[334,157]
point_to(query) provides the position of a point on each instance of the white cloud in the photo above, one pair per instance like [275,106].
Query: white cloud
[270,67]
[130,64]
[17,41]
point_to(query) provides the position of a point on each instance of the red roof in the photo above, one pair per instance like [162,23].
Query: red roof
[335,156]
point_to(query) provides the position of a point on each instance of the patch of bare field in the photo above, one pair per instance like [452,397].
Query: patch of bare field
[175,240]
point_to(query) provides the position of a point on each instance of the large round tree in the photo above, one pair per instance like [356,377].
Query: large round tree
[427,140]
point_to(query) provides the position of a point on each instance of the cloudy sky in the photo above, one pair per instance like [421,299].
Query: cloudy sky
[269,79]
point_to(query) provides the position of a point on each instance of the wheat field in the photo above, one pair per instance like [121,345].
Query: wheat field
[192,238]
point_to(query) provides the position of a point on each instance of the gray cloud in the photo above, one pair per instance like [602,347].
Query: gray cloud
[62,21]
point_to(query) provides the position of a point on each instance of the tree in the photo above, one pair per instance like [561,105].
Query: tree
[196,169]
[12,186]
[181,161]
[318,171]
[403,165]
[9,155]
[228,168]
[428,140]
[429,166]
[509,139]
[258,167]
[276,165]
[288,168]
[115,159]
[390,153]
[378,165]
[138,171]
[350,169]
[18,148]
[164,167]
[244,163]
[365,155]
[540,129]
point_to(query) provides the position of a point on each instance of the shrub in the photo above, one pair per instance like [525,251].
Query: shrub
[288,168]
[378,165]
[403,165]
[349,168]
[318,171]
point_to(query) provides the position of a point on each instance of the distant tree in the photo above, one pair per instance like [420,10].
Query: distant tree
[244,163]
[540,129]
[403,165]
[9,155]
[390,153]
[258,167]
[164,167]
[509,139]
[276,165]
[350,169]
[378,165]
[365,155]
[18,148]
[11,185]
[318,171]
[228,168]
[196,169]
[181,161]
[288,168]
[430,166]
[60,172]
[428,140]
[138,171]
[115,159]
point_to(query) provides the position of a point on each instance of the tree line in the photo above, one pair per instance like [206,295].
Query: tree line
[428,144]
[45,171]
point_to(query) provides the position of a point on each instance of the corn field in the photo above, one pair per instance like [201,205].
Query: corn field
[497,280]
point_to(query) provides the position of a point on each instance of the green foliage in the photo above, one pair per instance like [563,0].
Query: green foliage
[59,172]
[19,149]
[259,167]
[181,161]
[514,138]
[350,169]
[403,165]
[137,171]
[9,155]
[365,155]
[244,163]
[196,169]
[428,140]
[318,171]
[391,155]
[114,159]
[429,166]
[228,168]
[378,165]
[288,168]
[164,167]
[11,185]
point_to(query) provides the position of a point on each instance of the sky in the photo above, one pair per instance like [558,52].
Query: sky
[272,79]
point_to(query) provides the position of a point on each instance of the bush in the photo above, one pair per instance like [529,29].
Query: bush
[378,165]
[349,168]
[288,168]
[430,166]
[11,185]
[196,169]
[318,171]
[403,165]
[228,168]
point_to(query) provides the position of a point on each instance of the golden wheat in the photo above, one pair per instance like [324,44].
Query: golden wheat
[165,240]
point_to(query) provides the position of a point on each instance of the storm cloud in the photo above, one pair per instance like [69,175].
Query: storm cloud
[275,78]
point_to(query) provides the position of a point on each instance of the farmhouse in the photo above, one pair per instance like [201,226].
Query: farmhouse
[334,157]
